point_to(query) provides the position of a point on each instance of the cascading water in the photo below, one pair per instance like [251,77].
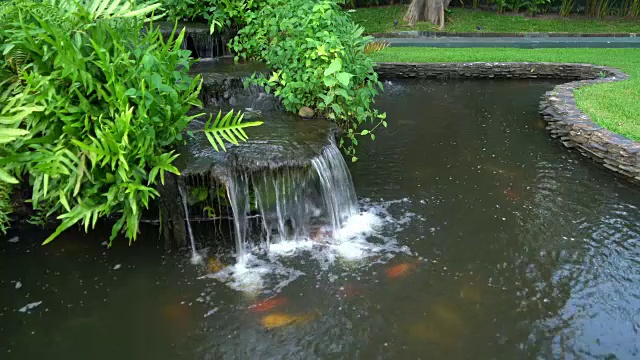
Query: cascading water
[337,187]
[204,45]
[195,257]
[293,203]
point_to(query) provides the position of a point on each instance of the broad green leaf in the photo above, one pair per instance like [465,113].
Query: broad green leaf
[335,66]
[344,78]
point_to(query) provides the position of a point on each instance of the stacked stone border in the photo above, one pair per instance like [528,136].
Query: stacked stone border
[421,34]
[565,121]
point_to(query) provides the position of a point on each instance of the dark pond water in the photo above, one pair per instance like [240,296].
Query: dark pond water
[480,238]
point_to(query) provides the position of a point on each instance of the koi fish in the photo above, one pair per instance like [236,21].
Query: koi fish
[281,319]
[443,328]
[178,316]
[471,293]
[268,304]
[511,195]
[399,270]
[214,265]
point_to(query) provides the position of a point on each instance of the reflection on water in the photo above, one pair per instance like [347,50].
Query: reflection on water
[481,237]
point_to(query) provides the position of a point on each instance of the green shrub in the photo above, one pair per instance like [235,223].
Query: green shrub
[215,12]
[530,6]
[92,103]
[316,56]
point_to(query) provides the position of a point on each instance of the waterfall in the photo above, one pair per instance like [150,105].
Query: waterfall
[206,46]
[337,187]
[195,257]
[292,203]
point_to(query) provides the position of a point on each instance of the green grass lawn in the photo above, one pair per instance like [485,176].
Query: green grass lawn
[380,19]
[615,106]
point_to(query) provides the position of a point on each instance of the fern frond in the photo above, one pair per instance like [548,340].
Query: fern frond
[227,127]
[117,9]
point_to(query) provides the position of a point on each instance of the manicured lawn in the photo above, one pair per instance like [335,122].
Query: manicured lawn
[615,106]
[380,19]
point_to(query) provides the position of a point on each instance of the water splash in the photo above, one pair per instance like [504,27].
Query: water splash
[358,244]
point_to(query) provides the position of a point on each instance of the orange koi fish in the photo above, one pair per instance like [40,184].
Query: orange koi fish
[511,195]
[281,319]
[214,265]
[268,304]
[399,270]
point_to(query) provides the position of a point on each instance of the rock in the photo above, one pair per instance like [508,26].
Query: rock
[306,113]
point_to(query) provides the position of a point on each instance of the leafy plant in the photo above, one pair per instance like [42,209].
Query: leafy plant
[5,206]
[217,13]
[634,9]
[375,46]
[93,109]
[567,7]
[530,6]
[599,8]
[317,57]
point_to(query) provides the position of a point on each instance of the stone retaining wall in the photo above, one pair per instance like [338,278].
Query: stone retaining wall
[483,34]
[565,121]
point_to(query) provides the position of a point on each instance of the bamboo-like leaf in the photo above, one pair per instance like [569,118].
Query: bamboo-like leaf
[140,12]
[6,177]
[63,201]
[79,177]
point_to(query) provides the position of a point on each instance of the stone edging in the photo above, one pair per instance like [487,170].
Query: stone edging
[418,34]
[565,120]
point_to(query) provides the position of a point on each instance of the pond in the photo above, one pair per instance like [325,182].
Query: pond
[479,237]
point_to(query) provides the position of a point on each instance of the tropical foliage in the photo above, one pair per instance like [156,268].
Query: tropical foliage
[219,12]
[317,57]
[92,101]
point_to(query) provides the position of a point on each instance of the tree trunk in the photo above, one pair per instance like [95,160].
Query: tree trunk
[427,10]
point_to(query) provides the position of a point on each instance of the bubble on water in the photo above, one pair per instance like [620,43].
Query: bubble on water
[118,266]
[18,284]
[14,239]
[211,312]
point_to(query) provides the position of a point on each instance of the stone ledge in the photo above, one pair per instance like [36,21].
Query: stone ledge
[565,121]
[478,34]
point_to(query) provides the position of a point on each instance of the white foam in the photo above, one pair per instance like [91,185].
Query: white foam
[359,225]
[196,258]
[290,247]
[360,238]
[255,274]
